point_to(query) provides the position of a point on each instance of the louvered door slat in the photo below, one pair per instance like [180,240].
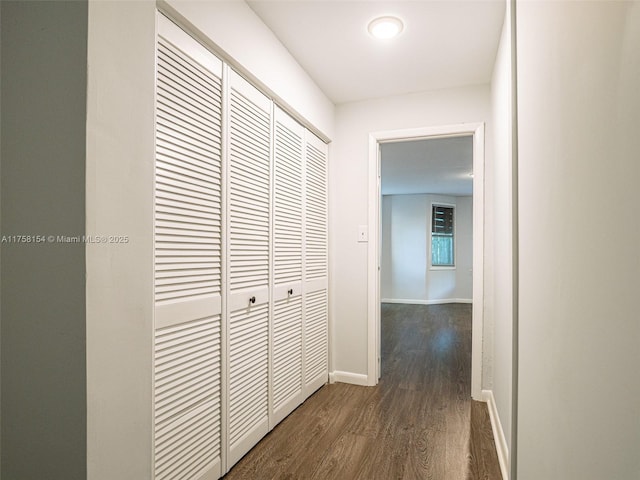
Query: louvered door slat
[316,213]
[249,230]
[248,337]
[287,352]
[248,188]
[196,168]
[286,388]
[288,200]
[315,335]
[316,265]
[188,261]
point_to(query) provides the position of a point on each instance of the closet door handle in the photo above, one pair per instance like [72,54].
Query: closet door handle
[252,300]
[290,291]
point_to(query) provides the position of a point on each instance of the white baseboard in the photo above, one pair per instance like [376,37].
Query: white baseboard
[498,433]
[426,302]
[348,377]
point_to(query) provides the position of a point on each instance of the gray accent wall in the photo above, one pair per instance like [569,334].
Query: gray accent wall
[43,130]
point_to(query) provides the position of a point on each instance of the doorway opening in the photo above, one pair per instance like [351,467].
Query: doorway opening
[441,218]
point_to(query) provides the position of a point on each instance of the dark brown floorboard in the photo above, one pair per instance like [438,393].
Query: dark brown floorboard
[484,459]
[418,423]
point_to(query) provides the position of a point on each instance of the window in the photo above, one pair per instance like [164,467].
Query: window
[442,231]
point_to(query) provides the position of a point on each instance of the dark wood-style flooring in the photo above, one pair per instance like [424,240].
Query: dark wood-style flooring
[419,422]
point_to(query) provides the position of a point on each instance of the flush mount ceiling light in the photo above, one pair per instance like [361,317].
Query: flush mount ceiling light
[385,27]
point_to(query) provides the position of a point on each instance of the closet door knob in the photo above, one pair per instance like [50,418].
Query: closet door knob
[290,291]
[252,300]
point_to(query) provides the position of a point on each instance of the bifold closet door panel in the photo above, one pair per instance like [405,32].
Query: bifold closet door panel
[187,246]
[286,364]
[316,366]
[248,256]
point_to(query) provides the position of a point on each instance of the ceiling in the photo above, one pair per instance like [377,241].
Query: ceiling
[444,44]
[435,165]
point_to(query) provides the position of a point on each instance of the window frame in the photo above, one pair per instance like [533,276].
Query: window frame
[454,235]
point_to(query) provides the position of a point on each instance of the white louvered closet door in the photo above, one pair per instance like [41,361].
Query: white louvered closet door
[187,360]
[248,213]
[286,378]
[316,368]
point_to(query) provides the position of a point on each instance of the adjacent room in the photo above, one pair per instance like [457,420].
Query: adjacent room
[427,223]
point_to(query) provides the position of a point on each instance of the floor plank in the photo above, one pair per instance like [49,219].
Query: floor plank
[483,455]
[419,422]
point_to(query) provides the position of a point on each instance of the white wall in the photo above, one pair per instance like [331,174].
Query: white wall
[119,183]
[348,192]
[238,31]
[405,274]
[119,191]
[464,248]
[499,226]
[579,114]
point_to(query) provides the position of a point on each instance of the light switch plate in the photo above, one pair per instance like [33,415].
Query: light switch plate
[363,233]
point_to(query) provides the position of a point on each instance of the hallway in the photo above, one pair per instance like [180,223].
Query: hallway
[418,423]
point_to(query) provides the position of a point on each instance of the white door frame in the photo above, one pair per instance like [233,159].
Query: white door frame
[373,307]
